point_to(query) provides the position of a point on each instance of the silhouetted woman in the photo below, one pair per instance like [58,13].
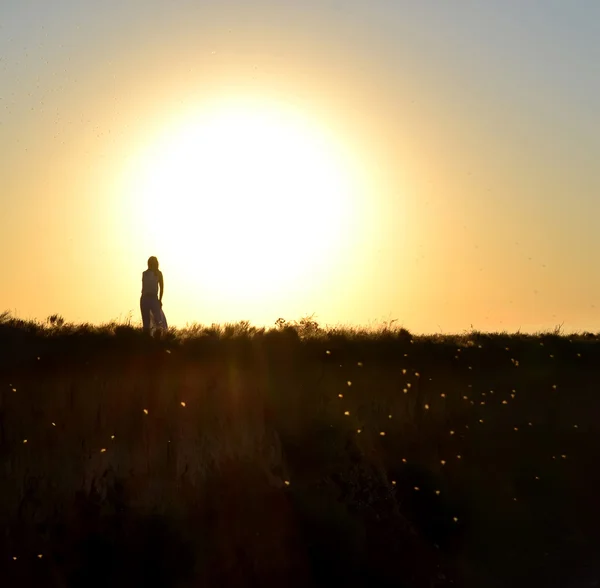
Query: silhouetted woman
[153,287]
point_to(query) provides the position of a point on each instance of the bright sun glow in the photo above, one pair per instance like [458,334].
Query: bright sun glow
[245,201]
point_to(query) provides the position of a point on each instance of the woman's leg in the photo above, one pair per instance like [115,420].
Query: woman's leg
[145,309]
[156,311]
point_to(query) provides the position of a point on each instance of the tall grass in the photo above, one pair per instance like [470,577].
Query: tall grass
[235,455]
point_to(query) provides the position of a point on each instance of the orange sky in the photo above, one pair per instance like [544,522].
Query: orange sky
[464,142]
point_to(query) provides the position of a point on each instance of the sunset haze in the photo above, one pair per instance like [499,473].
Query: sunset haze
[447,161]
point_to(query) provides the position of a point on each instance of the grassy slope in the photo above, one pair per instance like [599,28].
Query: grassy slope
[262,478]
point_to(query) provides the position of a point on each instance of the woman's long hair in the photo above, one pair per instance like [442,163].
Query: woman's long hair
[153,265]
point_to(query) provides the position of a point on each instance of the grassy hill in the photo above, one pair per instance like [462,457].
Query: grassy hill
[297,456]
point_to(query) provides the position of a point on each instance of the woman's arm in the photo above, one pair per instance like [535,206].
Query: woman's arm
[161,286]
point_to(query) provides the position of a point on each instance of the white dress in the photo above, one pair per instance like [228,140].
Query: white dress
[151,307]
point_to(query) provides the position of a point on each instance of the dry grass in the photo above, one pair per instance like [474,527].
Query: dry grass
[296,455]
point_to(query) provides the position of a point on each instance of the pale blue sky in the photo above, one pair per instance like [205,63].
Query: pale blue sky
[479,120]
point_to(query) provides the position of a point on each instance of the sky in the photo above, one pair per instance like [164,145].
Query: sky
[433,163]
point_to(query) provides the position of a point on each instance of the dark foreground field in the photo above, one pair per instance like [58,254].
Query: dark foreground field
[297,457]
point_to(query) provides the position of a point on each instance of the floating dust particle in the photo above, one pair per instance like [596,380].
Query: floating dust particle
[183,404]
[443,461]
[145,411]
[286,482]
[427,407]
[382,433]
[340,395]
[349,383]
[103,450]
[347,413]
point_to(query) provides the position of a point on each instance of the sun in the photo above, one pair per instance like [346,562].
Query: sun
[245,200]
